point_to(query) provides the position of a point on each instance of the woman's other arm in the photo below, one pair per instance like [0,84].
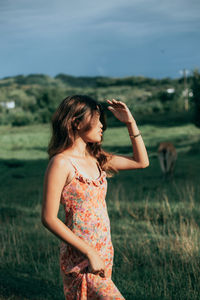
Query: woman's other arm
[55,178]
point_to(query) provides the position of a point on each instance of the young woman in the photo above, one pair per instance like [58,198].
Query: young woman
[76,178]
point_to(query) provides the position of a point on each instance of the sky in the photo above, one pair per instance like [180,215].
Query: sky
[115,38]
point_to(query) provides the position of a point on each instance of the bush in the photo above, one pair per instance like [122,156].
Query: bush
[42,116]
[3,118]
[20,118]
[196,96]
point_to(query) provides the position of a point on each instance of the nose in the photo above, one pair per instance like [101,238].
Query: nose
[100,124]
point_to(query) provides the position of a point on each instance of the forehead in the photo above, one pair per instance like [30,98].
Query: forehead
[93,116]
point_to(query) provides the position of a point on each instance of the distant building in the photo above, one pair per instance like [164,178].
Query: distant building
[187,92]
[170,90]
[9,104]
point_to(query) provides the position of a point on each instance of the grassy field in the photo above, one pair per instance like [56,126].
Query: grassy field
[154,223]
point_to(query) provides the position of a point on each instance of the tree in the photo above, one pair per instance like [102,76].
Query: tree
[196,96]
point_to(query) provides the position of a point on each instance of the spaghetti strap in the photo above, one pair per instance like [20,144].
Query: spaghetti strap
[73,164]
[99,167]
[78,173]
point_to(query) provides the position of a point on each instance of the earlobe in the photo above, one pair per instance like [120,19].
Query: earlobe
[76,123]
[78,126]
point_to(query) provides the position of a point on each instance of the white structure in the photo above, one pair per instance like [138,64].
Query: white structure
[170,90]
[9,104]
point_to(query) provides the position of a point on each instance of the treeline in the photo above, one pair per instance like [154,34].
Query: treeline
[34,98]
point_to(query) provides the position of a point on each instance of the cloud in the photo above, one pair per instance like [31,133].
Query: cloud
[112,22]
[77,34]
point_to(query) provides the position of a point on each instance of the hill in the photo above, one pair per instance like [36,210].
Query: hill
[33,98]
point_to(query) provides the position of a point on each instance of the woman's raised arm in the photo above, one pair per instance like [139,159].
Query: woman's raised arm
[140,159]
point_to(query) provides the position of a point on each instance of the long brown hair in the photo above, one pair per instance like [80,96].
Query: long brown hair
[72,111]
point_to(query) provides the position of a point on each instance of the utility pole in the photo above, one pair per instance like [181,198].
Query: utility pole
[186,94]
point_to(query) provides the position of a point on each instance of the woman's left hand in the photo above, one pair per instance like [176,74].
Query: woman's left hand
[120,111]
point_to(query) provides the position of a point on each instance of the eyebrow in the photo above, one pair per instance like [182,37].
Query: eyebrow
[97,113]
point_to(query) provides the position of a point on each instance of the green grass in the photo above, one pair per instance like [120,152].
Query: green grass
[154,222]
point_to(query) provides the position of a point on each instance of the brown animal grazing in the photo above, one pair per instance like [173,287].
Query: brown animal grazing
[167,157]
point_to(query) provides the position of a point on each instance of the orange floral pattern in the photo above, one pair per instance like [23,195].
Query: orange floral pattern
[86,215]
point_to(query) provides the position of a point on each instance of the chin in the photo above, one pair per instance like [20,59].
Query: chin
[94,141]
[98,140]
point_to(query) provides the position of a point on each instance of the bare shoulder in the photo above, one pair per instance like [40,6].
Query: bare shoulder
[60,161]
[60,164]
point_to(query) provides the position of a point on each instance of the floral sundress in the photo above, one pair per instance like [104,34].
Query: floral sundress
[86,215]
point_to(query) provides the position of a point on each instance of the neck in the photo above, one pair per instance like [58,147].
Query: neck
[79,148]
